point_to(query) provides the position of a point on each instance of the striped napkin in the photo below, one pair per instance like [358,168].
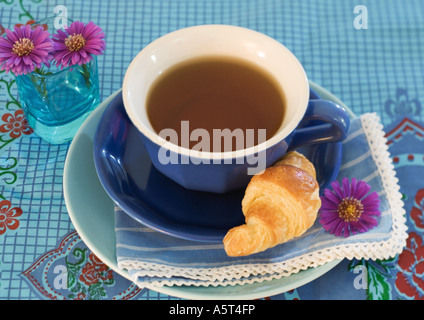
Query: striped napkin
[153,258]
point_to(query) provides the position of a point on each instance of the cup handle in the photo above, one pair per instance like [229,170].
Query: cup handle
[323,122]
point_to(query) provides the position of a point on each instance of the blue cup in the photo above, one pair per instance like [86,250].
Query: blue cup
[305,122]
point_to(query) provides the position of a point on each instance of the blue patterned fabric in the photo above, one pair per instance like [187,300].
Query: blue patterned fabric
[369,53]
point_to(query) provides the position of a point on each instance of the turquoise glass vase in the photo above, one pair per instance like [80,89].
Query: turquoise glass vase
[56,102]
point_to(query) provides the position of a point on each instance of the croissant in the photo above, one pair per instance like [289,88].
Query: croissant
[279,205]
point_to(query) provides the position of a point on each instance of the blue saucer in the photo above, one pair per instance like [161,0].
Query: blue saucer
[132,182]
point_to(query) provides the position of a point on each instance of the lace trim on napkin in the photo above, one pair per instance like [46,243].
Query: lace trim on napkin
[250,273]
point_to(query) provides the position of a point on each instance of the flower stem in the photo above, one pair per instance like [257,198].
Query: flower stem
[41,84]
[86,74]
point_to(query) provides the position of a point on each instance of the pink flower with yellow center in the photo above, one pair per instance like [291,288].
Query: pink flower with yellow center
[78,43]
[24,49]
[349,208]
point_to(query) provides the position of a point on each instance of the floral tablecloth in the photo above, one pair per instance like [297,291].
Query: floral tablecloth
[370,54]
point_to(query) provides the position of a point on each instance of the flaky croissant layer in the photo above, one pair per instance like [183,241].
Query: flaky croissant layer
[279,205]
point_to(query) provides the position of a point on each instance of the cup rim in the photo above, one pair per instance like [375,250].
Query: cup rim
[241,153]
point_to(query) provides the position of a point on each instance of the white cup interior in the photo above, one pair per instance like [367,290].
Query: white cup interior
[221,40]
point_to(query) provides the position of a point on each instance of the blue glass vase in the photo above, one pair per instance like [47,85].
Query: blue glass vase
[56,102]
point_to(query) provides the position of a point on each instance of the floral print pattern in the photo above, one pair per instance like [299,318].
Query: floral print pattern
[417,212]
[410,279]
[71,271]
[403,105]
[94,271]
[15,124]
[8,216]
[88,276]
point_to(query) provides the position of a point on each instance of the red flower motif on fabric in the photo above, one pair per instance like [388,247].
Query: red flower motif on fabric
[15,124]
[95,270]
[2,30]
[74,254]
[30,22]
[80,296]
[417,211]
[410,280]
[8,216]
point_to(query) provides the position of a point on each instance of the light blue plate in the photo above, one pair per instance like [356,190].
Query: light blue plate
[92,214]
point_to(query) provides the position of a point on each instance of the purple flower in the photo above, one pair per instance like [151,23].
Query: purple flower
[78,43]
[348,209]
[24,49]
